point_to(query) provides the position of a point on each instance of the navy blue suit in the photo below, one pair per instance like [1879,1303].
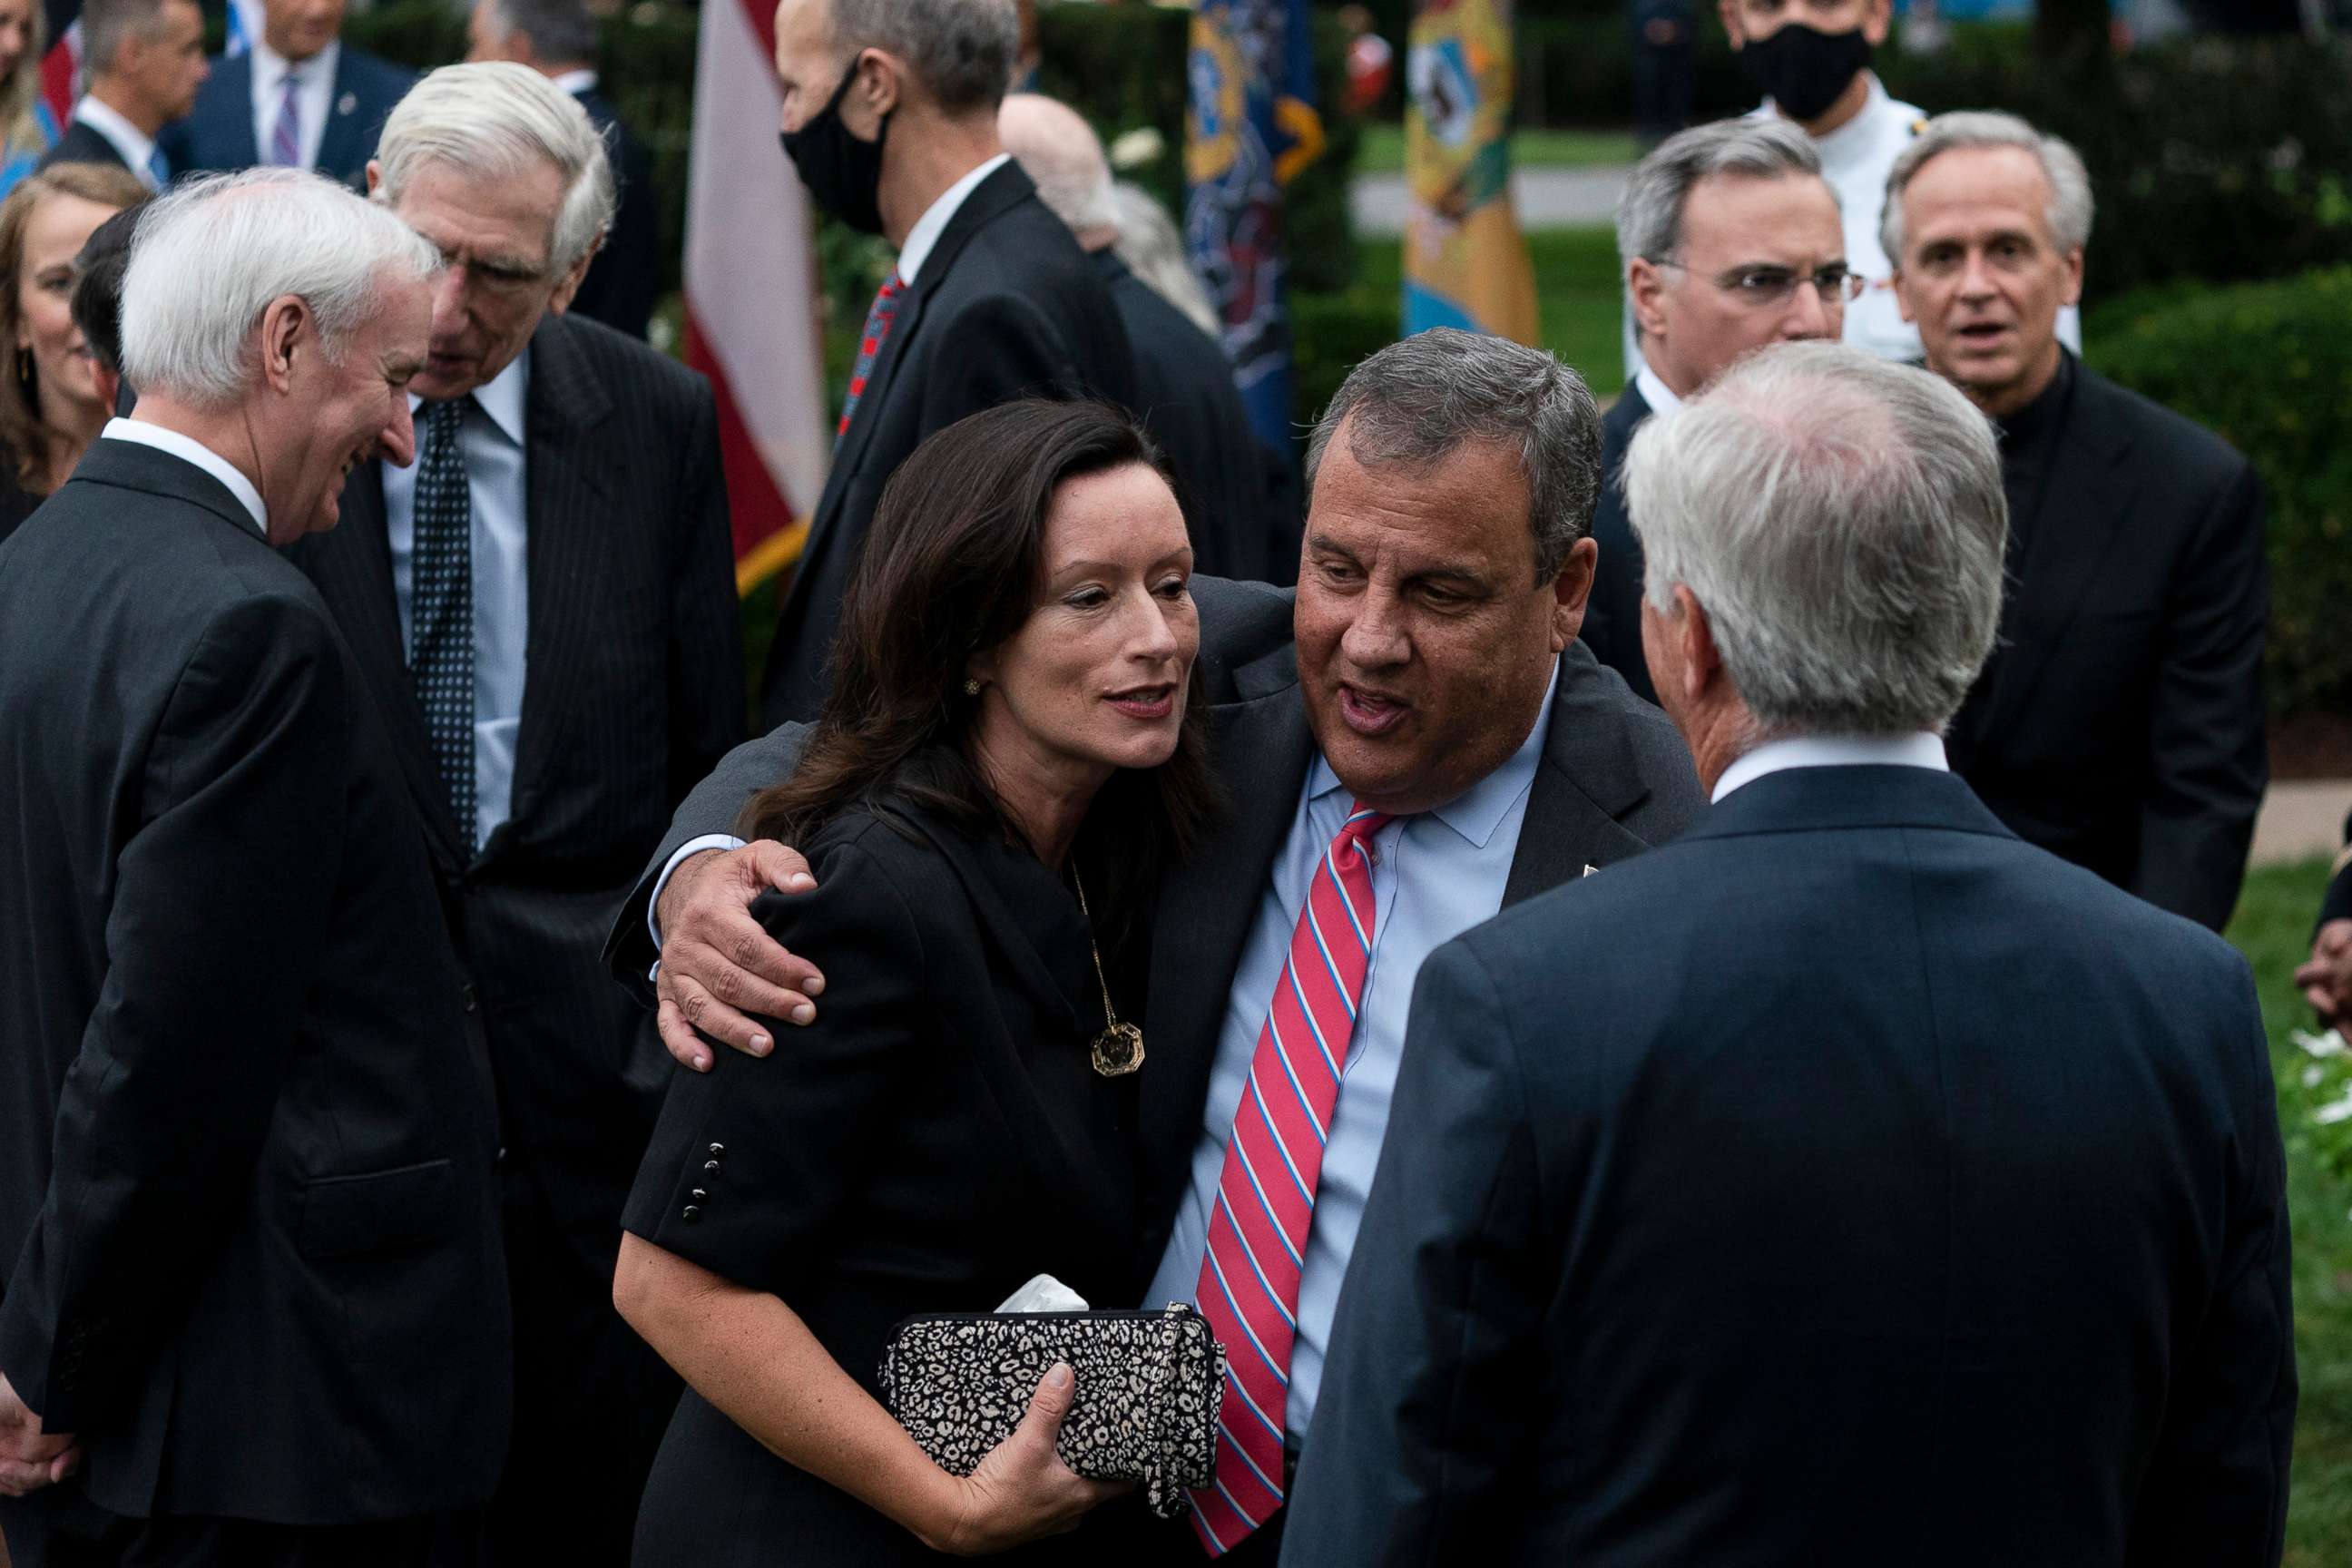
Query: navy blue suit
[1845,1183]
[217,134]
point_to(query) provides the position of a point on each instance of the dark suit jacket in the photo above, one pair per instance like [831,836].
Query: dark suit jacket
[1911,1226]
[936,1138]
[1613,615]
[634,690]
[625,279]
[245,1197]
[1193,410]
[217,134]
[1614,779]
[2119,723]
[80,143]
[1006,306]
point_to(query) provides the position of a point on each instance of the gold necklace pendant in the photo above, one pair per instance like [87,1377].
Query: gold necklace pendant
[1119,1050]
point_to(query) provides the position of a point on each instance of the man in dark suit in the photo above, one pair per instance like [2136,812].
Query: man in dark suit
[1730,240]
[544,607]
[249,1211]
[1426,671]
[2119,723]
[1188,400]
[893,129]
[299,98]
[557,38]
[144,61]
[1937,1217]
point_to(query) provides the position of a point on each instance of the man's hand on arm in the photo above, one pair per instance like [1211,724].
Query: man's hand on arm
[2326,979]
[30,1458]
[719,965]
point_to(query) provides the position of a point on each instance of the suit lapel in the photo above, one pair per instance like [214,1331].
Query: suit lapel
[2090,492]
[352,566]
[1261,746]
[565,507]
[1587,780]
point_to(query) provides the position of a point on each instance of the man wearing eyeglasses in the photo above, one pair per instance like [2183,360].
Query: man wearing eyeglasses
[1730,239]
[2119,721]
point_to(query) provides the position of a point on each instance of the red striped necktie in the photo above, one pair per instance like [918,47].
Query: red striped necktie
[1266,1196]
[869,346]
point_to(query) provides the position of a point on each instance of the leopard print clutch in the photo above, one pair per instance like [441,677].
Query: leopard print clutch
[1150,1386]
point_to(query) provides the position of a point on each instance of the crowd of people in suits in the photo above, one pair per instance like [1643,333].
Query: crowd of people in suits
[1651,976]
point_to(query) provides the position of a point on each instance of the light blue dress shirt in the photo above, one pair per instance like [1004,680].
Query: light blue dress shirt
[1435,876]
[492,442]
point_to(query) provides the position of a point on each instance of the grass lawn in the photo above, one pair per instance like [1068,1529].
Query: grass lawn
[1575,291]
[2272,928]
[1381,151]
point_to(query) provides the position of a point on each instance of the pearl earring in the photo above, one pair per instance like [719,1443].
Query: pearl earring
[971,688]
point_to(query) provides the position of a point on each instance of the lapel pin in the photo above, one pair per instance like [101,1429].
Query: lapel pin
[1589,869]
[346,104]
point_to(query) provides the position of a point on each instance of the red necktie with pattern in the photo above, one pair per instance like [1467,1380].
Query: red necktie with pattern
[1266,1196]
[869,345]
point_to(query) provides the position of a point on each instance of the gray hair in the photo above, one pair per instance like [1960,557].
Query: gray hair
[211,254]
[1417,401]
[1840,519]
[1148,242]
[1061,153]
[962,51]
[107,25]
[501,120]
[560,31]
[2071,207]
[1649,212]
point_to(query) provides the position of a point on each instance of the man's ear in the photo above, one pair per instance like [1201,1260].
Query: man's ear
[881,83]
[2073,294]
[561,301]
[1645,286]
[1903,296]
[288,332]
[1730,11]
[375,174]
[1702,662]
[1877,22]
[1572,591]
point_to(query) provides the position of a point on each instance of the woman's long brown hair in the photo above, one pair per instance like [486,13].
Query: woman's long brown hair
[953,564]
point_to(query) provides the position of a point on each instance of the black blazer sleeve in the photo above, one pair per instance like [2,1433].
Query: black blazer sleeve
[2337,903]
[2215,1487]
[1428,1393]
[218,920]
[2205,741]
[706,648]
[752,1162]
[711,806]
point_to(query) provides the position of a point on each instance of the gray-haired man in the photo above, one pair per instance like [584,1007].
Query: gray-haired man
[1936,1217]
[247,1199]
[2119,721]
[1729,239]
[545,608]
[1426,671]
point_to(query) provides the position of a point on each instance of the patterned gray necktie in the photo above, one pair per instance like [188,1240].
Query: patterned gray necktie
[441,640]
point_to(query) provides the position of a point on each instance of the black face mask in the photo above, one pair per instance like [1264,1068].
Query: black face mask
[844,175]
[1804,69]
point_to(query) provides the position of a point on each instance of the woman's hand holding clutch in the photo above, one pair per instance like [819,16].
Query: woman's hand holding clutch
[1022,1491]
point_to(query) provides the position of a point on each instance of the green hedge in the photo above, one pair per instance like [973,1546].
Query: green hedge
[2268,367]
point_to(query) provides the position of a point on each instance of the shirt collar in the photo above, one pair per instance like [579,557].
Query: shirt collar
[270,68]
[1916,749]
[190,450]
[1477,811]
[135,145]
[503,398]
[934,221]
[1655,390]
[2028,422]
[575,82]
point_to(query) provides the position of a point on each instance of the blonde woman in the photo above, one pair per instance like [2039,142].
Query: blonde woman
[50,407]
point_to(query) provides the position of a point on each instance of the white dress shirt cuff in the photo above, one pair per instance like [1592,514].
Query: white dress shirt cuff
[685,851]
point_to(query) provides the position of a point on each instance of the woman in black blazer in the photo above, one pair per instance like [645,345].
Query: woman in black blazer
[1008,724]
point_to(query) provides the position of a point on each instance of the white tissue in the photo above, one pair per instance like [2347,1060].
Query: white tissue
[1044,1293]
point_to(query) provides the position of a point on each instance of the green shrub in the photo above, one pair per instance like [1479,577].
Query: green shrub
[2267,366]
